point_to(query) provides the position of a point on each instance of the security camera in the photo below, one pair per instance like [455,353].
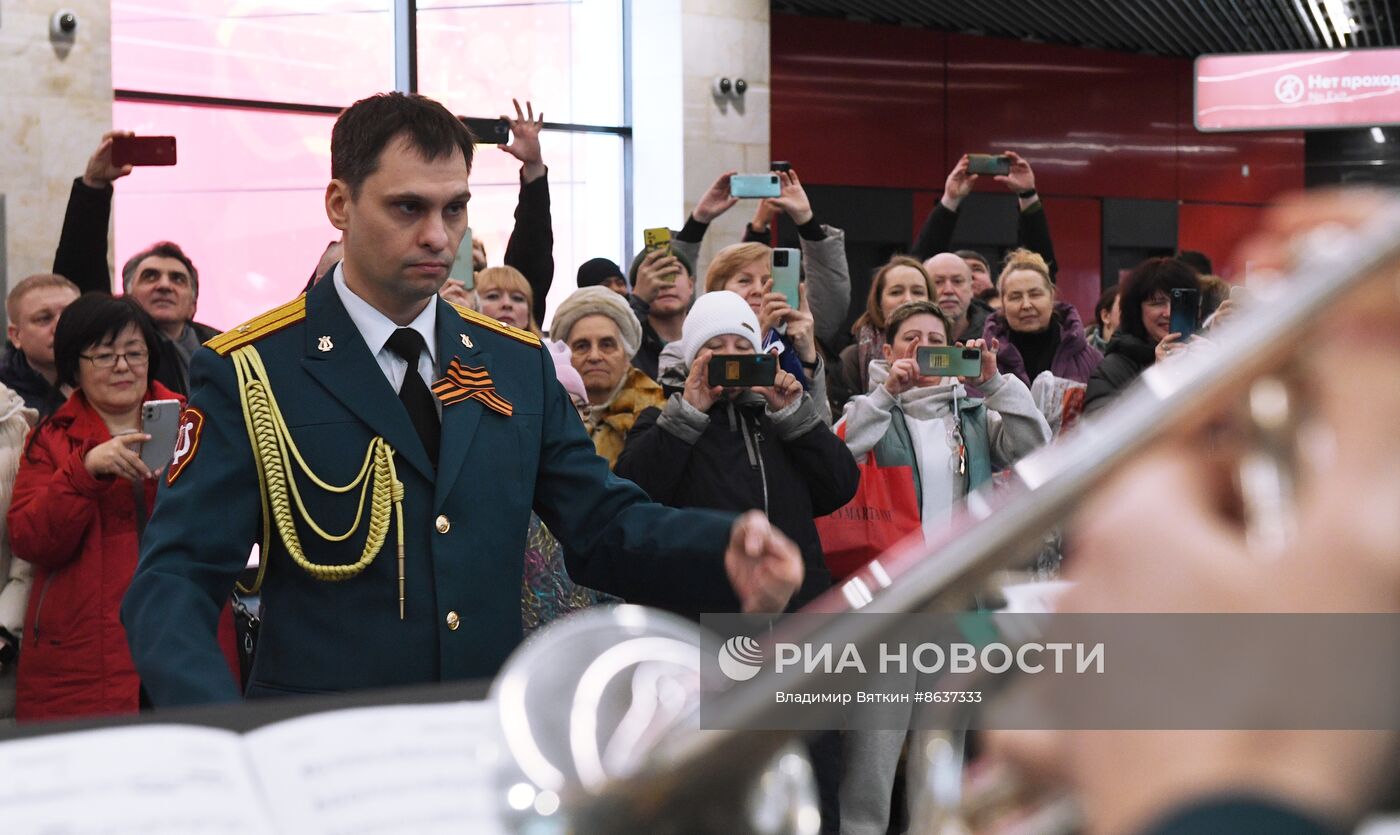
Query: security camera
[722,87]
[63,24]
[740,86]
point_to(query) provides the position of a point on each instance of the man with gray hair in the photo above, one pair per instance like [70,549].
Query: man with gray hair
[161,278]
[952,287]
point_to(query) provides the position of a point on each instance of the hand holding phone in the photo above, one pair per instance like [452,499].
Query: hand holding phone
[698,392]
[143,150]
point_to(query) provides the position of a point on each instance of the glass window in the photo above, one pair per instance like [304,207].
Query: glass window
[246,201]
[328,52]
[566,57]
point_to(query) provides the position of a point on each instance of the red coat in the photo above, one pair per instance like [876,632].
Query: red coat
[81,535]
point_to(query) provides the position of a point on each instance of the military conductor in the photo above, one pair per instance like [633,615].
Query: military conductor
[385,449]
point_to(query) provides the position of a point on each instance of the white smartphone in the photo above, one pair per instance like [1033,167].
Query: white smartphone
[161,420]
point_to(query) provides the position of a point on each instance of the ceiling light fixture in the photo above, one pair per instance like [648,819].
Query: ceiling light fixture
[1321,22]
[1378,135]
[1341,21]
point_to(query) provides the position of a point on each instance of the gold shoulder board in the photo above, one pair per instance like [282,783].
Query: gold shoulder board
[259,326]
[499,327]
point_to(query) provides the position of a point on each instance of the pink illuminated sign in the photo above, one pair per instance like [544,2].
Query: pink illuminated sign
[1290,90]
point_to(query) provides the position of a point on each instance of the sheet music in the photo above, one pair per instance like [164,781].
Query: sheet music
[377,770]
[139,780]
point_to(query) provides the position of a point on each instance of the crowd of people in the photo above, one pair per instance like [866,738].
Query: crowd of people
[631,351]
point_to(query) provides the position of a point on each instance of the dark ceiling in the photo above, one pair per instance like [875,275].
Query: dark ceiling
[1164,27]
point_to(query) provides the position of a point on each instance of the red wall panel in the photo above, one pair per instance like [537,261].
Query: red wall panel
[1215,229]
[924,201]
[1076,226]
[1092,123]
[1212,166]
[858,104]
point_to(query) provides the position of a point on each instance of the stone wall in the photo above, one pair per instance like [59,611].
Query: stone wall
[55,105]
[724,38]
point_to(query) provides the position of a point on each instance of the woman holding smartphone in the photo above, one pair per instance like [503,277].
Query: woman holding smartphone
[81,497]
[1144,334]
[950,442]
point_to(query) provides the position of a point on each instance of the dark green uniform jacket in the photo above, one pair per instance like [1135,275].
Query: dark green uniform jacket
[465,521]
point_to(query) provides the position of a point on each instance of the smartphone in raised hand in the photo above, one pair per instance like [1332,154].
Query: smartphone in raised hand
[988,164]
[488,131]
[143,150]
[755,185]
[787,274]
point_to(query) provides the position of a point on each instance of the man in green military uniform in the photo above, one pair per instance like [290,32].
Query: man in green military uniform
[385,448]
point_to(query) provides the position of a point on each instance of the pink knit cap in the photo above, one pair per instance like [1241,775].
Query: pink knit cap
[565,371]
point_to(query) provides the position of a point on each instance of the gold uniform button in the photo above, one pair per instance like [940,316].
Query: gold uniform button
[453,621]
[443,524]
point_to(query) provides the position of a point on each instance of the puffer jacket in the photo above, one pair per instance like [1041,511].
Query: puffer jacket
[81,534]
[1011,427]
[1127,357]
[609,423]
[15,575]
[1075,359]
[739,456]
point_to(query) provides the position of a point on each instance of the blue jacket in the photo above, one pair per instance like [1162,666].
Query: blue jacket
[465,521]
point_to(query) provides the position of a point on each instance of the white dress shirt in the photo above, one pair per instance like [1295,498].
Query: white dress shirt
[376,328]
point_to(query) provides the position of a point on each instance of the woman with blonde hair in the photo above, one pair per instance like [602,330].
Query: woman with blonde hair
[901,279]
[746,270]
[504,294]
[1036,334]
[1037,331]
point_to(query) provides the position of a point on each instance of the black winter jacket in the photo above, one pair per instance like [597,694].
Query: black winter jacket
[1126,358]
[739,457]
[20,376]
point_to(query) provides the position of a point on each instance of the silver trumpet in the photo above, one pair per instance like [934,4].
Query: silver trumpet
[676,778]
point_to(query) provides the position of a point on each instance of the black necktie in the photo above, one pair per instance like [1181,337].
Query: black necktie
[417,399]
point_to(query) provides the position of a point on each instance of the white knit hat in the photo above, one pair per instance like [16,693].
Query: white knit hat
[598,301]
[714,314]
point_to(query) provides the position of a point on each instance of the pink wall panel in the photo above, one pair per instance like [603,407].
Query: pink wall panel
[1216,230]
[858,104]
[1092,122]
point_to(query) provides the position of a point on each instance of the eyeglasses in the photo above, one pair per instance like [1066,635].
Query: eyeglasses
[134,359]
